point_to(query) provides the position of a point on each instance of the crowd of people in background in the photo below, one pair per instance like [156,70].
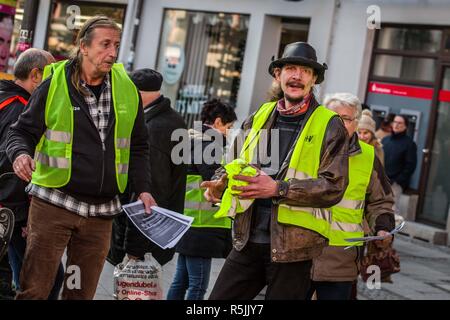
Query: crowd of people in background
[90,138]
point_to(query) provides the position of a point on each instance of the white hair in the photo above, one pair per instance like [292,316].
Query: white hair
[345,99]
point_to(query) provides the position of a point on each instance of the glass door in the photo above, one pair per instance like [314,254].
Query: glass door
[437,192]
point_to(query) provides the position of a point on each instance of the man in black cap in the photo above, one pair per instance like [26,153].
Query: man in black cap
[167,180]
[288,223]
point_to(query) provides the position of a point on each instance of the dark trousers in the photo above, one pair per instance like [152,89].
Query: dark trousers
[246,272]
[326,290]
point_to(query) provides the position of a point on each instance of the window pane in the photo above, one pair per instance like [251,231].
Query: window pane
[437,196]
[447,43]
[409,39]
[415,69]
[200,58]
[61,40]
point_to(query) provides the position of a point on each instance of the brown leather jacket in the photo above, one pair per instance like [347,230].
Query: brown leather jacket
[337,264]
[292,243]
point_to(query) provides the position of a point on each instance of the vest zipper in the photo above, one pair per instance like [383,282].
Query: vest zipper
[103,166]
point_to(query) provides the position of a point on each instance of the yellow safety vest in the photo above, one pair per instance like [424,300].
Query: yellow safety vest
[304,164]
[196,206]
[347,215]
[53,154]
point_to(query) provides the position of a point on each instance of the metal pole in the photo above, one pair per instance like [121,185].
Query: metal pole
[28,25]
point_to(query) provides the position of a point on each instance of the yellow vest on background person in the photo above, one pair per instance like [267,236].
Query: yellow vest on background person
[196,206]
[53,154]
[304,164]
[348,214]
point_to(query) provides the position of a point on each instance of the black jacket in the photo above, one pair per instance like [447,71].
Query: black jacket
[93,177]
[205,242]
[12,189]
[400,158]
[168,181]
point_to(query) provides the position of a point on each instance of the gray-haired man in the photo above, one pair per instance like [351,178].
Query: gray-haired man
[14,95]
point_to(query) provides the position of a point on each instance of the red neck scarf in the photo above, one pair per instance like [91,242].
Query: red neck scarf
[296,109]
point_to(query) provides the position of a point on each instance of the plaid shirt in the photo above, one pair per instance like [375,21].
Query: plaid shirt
[99,111]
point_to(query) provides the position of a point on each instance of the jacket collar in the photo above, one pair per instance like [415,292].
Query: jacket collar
[354,147]
[9,88]
[160,105]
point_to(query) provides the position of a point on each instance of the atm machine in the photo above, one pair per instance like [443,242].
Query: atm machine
[379,112]
[386,98]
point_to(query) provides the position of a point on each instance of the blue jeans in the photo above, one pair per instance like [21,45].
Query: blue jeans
[192,275]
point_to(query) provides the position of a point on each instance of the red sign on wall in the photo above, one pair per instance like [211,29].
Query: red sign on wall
[408,91]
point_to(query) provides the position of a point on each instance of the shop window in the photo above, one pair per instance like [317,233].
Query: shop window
[200,57]
[61,38]
[405,68]
[447,43]
[409,39]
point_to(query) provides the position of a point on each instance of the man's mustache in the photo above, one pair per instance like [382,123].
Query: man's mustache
[296,84]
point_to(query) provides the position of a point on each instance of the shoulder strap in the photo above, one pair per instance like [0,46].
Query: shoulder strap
[10,100]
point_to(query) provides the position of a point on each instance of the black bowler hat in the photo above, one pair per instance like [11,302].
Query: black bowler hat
[147,79]
[299,53]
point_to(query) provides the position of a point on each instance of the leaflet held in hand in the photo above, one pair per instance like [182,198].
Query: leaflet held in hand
[162,226]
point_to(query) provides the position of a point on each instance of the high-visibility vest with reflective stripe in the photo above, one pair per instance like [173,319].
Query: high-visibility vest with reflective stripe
[53,154]
[196,206]
[347,215]
[304,164]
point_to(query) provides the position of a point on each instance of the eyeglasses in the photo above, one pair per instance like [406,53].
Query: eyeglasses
[398,122]
[347,119]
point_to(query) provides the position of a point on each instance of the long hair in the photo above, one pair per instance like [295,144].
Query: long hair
[275,93]
[85,36]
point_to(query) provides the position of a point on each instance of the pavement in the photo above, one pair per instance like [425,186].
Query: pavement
[424,275]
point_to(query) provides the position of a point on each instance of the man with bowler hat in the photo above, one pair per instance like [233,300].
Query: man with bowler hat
[288,223]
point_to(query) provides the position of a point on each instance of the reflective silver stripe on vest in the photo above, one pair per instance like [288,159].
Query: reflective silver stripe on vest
[351,204]
[200,206]
[346,227]
[122,168]
[54,162]
[292,173]
[192,185]
[318,213]
[58,136]
[123,143]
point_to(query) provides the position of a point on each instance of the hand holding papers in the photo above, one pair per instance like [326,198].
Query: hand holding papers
[374,238]
[161,226]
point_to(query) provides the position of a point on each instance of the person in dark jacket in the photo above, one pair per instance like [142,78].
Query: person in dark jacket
[86,124]
[400,154]
[13,98]
[204,240]
[167,180]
